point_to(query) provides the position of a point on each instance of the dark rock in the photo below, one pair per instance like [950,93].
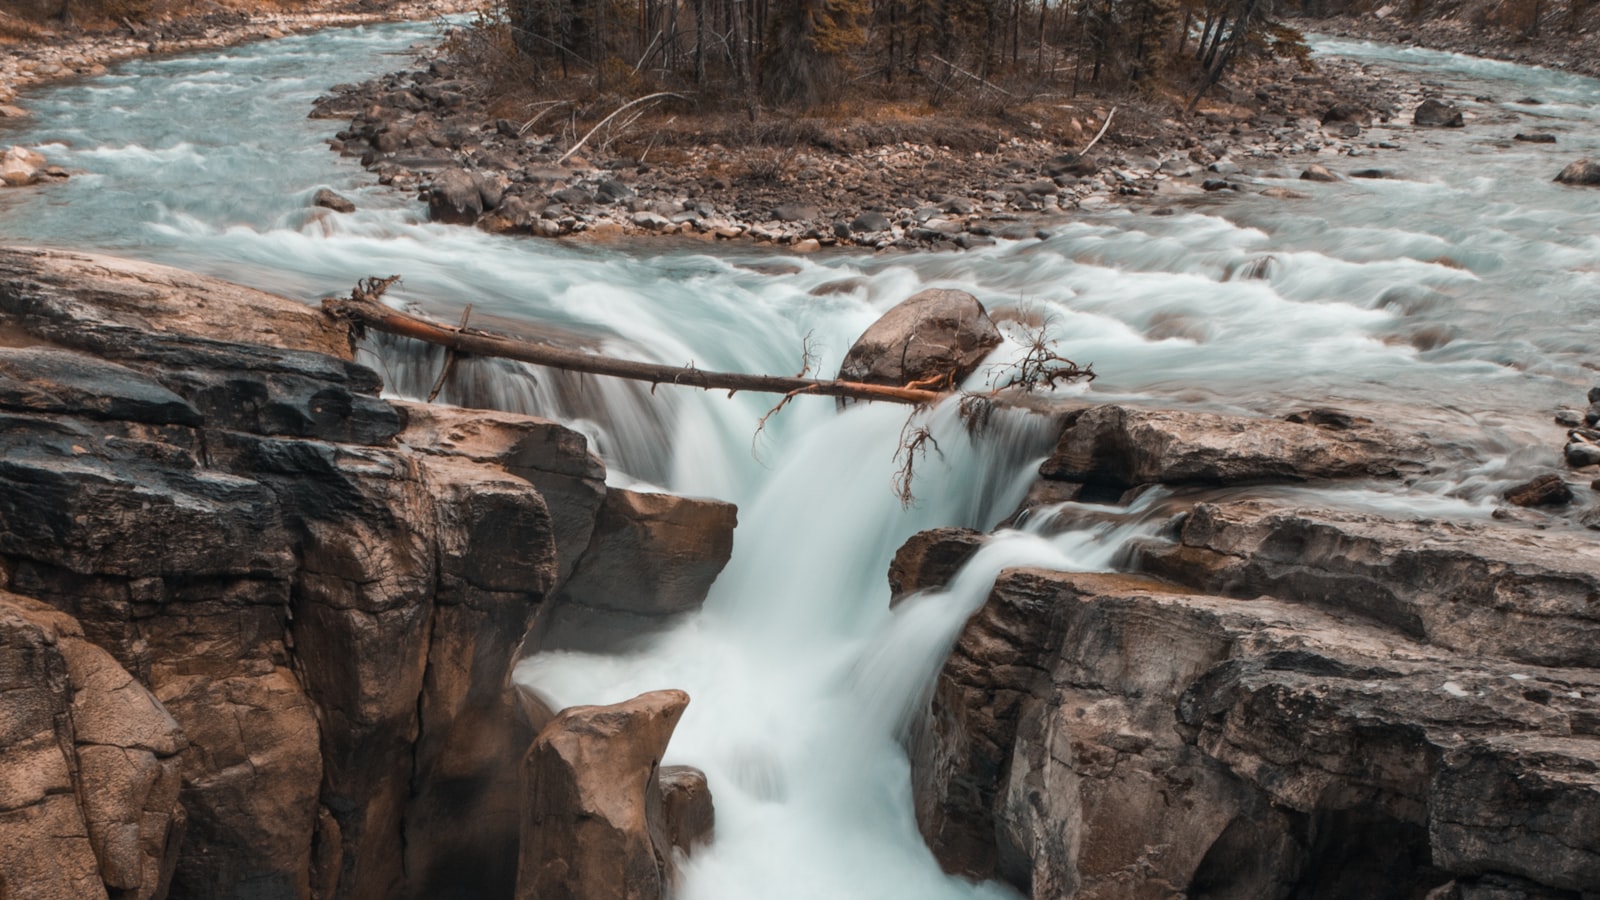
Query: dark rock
[1546,490]
[687,811]
[573,196]
[1369,173]
[61,381]
[454,198]
[1537,137]
[592,803]
[1475,589]
[1126,446]
[327,199]
[1438,114]
[1583,172]
[869,222]
[929,559]
[1347,112]
[796,212]
[1217,184]
[612,190]
[1071,164]
[934,334]
[1580,454]
[1317,173]
[1568,418]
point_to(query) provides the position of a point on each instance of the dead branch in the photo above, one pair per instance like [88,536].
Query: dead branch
[1107,124]
[574,148]
[978,78]
[914,442]
[450,357]
[364,309]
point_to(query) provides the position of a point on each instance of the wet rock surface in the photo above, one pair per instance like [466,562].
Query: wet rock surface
[595,824]
[1308,703]
[934,337]
[302,600]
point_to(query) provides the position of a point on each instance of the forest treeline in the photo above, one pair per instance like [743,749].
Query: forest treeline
[805,52]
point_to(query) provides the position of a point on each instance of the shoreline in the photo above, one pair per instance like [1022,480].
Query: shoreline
[1577,54]
[77,53]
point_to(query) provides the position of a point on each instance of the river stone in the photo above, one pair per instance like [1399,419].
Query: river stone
[687,810]
[1546,490]
[1438,114]
[454,198]
[1317,173]
[329,200]
[869,222]
[1583,172]
[1538,137]
[795,212]
[1582,453]
[20,167]
[592,823]
[929,559]
[935,337]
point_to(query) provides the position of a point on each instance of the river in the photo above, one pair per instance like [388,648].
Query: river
[1457,298]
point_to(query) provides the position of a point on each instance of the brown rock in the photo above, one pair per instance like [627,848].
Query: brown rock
[1546,490]
[327,199]
[1438,114]
[1476,589]
[1125,446]
[1317,173]
[652,556]
[89,764]
[935,334]
[591,823]
[929,559]
[1311,756]
[687,812]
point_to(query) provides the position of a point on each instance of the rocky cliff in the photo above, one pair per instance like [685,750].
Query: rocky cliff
[256,622]
[1305,703]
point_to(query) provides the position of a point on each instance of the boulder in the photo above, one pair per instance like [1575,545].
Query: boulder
[929,559]
[1583,172]
[935,334]
[20,167]
[1115,447]
[1546,490]
[651,557]
[327,199]
[1095,735]
[1494,590]
[870,222]
[454,198]
[1317,173]
[592,821]
[688,815]
[550,456]
[89,766]
[1437,114]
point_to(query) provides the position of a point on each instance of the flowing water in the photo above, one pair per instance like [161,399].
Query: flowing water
[1457,298]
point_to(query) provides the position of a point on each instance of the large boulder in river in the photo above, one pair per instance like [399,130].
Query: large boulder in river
[1438,114]
[1584,172]
[592,824]
[454,198]
[933,336]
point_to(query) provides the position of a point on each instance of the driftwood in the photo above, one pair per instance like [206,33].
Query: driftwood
[363,308]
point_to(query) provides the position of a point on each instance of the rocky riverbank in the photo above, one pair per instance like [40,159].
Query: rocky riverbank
[257,624]
[433,130]
[56,52]
[1277,700]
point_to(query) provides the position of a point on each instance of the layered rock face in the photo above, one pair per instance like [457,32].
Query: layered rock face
[306,599]
[1312,704]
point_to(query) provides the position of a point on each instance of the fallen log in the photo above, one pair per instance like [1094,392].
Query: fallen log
[363,309]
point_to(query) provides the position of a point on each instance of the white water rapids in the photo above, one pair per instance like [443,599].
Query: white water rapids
[1458,298]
